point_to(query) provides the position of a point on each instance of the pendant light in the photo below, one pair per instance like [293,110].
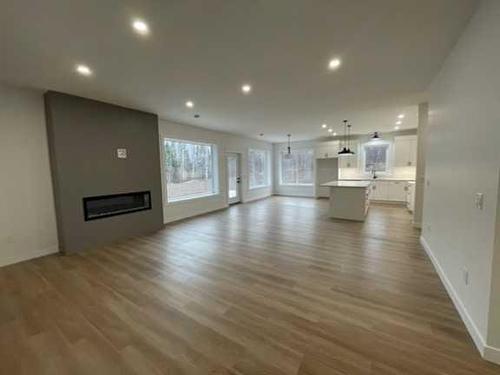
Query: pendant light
[345,150]
[349,151]
[288,154]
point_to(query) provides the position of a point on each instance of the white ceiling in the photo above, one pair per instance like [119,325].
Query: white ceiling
[205,50]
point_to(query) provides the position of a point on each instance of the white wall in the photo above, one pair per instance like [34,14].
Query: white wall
[27,215]
[423,121]
[463,157]
[225,143]
[292,190]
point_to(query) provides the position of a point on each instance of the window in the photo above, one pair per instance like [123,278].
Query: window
[258,168]
[190,169]
[296,168]
[376,157]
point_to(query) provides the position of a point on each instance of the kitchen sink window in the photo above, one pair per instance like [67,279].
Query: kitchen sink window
[376,158]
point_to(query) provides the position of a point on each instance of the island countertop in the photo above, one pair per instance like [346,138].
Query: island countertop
[348,184]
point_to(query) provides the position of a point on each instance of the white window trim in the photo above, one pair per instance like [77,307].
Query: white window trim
[389,158]
[280,170]
[268,169]
[215,161]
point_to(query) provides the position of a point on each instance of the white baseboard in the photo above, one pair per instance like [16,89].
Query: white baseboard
[487,352]
[469,323]
[36,253]
[492,354]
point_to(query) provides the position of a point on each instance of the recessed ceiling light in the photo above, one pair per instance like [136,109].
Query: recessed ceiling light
[140,27]
[398,123]
[334,64]
[246,88]
[402,115]
[83,70]
[334,134]
[396,128]
[324,126]
[189,104]
[330,130]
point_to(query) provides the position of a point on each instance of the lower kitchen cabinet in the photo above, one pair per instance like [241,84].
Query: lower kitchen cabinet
[394,191]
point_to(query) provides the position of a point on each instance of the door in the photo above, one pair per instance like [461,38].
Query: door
[233,178]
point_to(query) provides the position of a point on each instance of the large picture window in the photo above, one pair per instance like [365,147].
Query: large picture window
[297,167]
[191,169]
[376,157]
[258,168]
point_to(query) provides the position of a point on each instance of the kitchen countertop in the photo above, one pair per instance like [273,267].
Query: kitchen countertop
[379,179]
[348,184]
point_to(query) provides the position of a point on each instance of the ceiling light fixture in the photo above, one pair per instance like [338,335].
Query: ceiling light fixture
[402,115]
[140,27]
[396,128]
[375,136]
[189,104]
[334,64]
[330,130]
[334,134]
[246,88]
[84,70]
[324,126]
[398,123]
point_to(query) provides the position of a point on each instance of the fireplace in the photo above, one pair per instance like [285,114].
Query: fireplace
[103,206]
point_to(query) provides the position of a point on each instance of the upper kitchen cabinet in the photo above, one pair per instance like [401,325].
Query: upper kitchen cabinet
[326,150]
[405,151]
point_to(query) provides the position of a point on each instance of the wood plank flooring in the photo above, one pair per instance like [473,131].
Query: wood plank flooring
[271,287]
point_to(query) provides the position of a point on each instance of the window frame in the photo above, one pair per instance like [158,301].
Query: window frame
[267,169]
[388,158]
[215,171]
[280,166]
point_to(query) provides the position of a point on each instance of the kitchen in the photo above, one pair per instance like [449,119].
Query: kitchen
[378,168]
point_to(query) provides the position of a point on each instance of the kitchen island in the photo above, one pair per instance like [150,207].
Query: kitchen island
[349,199]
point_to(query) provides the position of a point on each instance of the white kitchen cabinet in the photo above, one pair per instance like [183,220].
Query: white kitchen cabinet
[326,150]
[392,191]
[396,191]
[405,151]
[379,191]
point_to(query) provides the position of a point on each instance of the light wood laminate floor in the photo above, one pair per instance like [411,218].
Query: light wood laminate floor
[270,287]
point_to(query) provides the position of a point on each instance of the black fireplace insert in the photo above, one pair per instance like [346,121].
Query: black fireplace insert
[103,206]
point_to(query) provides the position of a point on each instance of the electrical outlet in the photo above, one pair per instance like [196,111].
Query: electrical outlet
[479,200]
[465,275]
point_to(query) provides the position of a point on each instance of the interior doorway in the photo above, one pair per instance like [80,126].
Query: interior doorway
[233,177]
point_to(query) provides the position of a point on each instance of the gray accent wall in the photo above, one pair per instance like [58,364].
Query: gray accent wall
[83,137]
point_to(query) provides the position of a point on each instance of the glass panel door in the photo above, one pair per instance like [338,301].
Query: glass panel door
[233,177]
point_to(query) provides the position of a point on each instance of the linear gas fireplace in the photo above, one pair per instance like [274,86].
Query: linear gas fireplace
[117,204]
